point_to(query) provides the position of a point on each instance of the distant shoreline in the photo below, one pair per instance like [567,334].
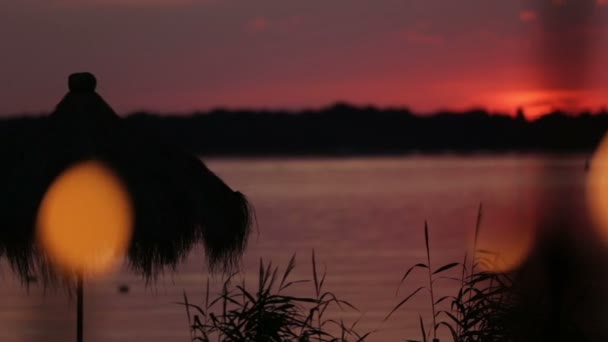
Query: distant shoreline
[347,131]
[408,154]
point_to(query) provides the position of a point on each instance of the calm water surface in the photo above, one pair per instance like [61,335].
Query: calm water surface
[363,217]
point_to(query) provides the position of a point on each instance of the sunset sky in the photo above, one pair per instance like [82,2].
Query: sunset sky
[184,55]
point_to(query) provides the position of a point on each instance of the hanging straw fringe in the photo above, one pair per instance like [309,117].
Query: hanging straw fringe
[178,201]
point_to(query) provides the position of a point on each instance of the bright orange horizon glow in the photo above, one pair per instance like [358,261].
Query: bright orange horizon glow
[537,103]
[85,220]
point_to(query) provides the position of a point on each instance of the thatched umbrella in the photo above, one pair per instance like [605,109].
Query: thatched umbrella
[177,200]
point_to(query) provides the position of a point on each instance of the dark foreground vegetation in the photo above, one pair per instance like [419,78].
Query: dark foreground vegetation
[346,130]
[268,312]
[486,306]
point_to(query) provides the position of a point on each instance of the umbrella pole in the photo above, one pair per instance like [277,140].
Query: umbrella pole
[79,311]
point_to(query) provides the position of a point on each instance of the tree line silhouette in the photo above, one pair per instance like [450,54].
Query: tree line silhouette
[343,129]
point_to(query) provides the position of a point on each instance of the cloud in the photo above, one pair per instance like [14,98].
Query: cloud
[527,16]
[130,3]
[421,37]
[257,24]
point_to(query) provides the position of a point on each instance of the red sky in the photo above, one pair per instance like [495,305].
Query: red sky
[184,55]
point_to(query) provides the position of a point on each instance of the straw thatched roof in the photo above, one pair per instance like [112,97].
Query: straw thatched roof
[178,201]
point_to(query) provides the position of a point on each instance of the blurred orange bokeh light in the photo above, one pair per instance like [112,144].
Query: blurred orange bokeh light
[597,189]
[85,220]
[506,249]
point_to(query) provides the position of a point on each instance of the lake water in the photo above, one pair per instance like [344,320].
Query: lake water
[363,217]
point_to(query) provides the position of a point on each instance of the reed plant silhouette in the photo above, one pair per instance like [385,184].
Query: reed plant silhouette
[433,275]
[489,305]
[485,299]
[482,308]
[268,313]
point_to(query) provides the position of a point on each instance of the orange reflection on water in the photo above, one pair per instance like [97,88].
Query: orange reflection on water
[504,250]
[85,219]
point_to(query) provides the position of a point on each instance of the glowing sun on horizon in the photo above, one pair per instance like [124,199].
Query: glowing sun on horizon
[85,220]
[536,103]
